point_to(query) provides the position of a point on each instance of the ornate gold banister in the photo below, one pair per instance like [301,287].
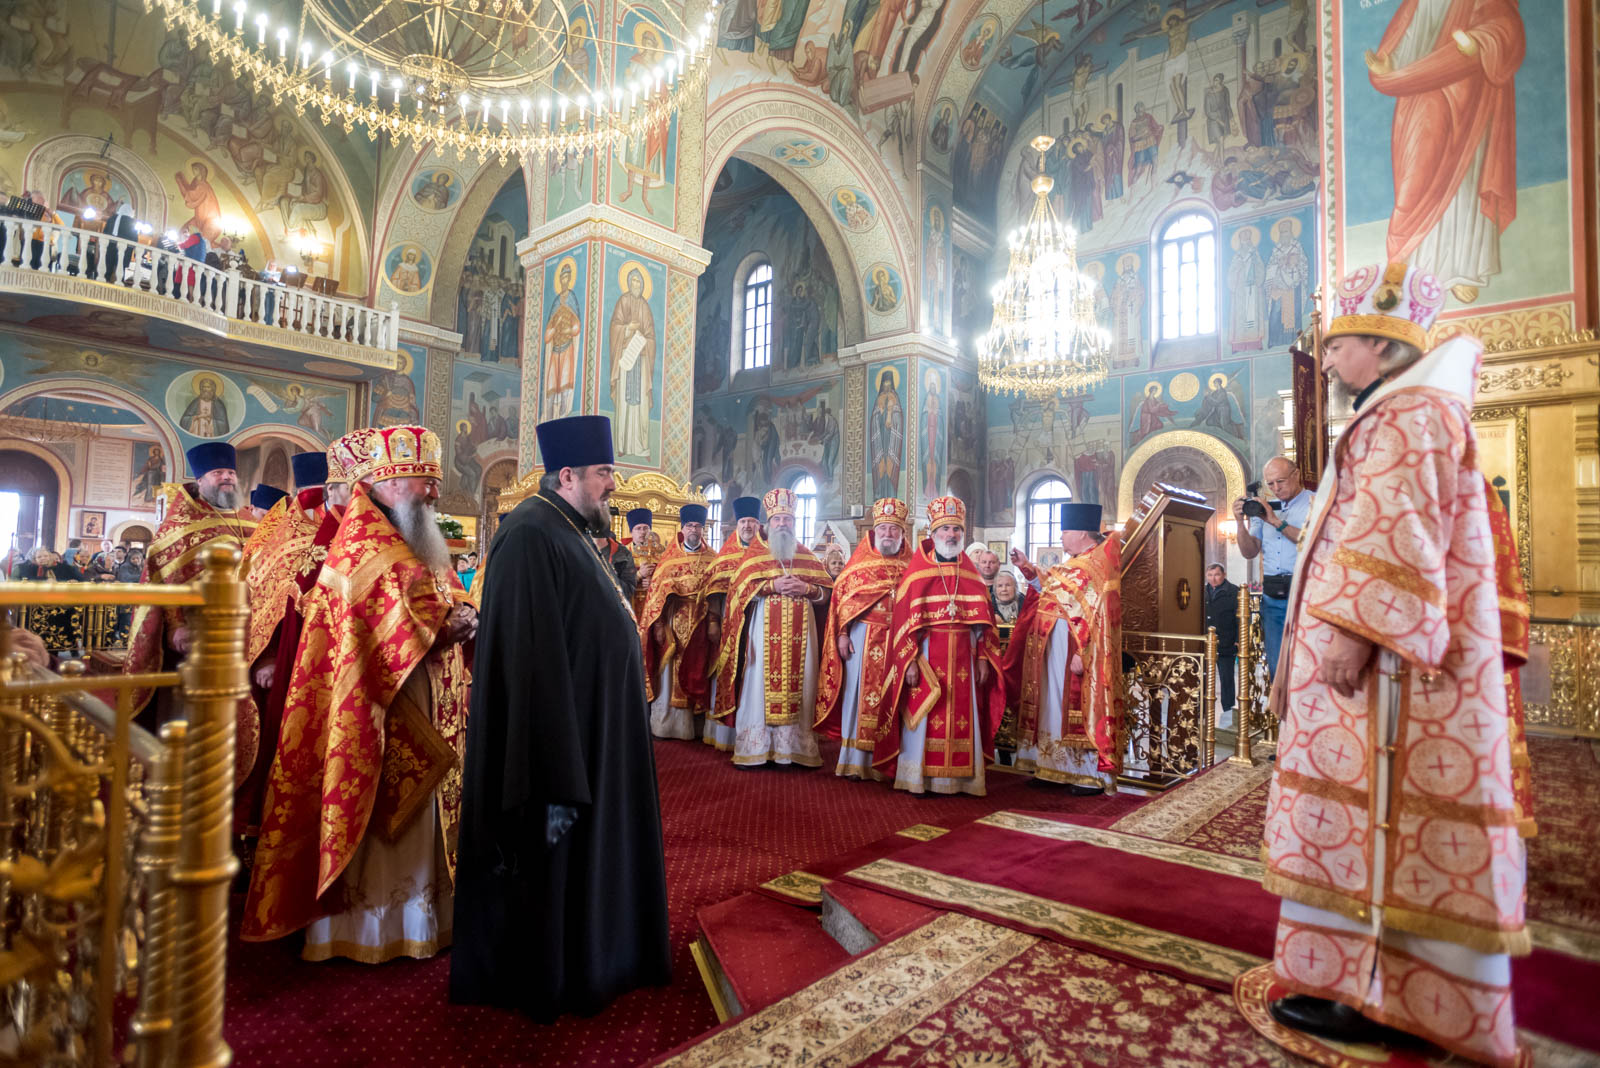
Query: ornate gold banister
[158,843]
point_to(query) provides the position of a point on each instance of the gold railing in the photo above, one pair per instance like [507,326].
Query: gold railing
[1560,688]
[115,852]
[1253,721]
[1169,693]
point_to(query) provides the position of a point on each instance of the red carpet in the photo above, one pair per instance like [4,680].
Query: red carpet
[767,949]
[726,831]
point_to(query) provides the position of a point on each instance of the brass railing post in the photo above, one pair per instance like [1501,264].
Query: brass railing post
[1208,743]
[1245,697]
[158,853]
[214,679]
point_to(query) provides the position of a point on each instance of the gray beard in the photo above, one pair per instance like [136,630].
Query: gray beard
[940,551]
[692,546]
[221,498]
[783,544]
[890,549]
[414,520]
[596,513]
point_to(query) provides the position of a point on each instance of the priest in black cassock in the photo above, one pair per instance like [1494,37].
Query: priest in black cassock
[561,886]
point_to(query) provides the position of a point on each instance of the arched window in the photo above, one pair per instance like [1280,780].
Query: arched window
[714,515]
[1044,514]
[758,318]
[1187,278]
[805,508]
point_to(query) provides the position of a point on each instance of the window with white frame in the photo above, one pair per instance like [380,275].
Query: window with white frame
[1187,277]
[1043,512]
[714,515]
[758,318]
[805,508]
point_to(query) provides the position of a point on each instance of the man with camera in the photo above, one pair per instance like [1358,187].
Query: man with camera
[1273,530]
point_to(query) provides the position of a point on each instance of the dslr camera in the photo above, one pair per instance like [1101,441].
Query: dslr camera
[1252,507]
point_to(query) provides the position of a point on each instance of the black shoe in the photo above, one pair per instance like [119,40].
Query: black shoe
[1331,1019]
[1084,791]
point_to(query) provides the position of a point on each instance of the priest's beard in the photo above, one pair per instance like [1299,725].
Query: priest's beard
[947,547]
[1341,397]
[692,546]
[414,519]
[783,544]
[890,546]
[222,498]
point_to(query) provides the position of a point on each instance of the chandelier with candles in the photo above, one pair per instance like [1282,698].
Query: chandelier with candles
[488,77]
[1045,339]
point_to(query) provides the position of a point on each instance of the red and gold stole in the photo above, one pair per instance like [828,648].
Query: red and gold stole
[679,580]
[1514,616]
[784,632]
[942,602]
[1084,593]
[863,591]
[281,561]
[176,556]
[359,748]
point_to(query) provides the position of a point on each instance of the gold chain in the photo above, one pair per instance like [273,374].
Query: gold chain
[605,565]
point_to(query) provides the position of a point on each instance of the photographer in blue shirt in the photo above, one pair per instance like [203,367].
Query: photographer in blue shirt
[1272,529]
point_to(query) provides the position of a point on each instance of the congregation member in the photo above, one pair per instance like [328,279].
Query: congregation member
[1274,535]
[202,513]
[263,499]
[746,532]
[767,664]
[987,561]
[562,893]
[1064,662]
[674,632]
[646,549]
[1007,600]
[944,665]
[281,563]
[1393,707]
[359,825]
[1222,615]
[853,696]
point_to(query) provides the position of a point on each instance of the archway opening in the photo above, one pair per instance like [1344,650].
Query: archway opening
[768,388]
[29,493]
[106,457]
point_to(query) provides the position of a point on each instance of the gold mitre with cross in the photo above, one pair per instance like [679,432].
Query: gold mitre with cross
[778,502]
[1395,301]
[891,510]
[341,461]
[946,510]
[394,452]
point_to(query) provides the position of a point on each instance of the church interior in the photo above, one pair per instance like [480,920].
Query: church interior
[778,244]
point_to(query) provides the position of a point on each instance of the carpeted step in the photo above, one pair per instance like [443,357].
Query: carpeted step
[804,887]
[858,918]
[760,950]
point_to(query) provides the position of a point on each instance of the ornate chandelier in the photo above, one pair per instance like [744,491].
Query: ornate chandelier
[489,77]
[1044,340]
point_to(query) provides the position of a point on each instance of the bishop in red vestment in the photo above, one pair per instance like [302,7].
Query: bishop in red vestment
[944,665]
[1392,818]
[359,827]
[853,697]
[767,664]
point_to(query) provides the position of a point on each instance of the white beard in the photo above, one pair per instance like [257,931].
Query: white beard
[947,548]
[414,520]
[890,547]
[221,498]
[783,544]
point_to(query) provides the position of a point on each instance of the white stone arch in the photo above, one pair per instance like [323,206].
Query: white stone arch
[745,115]
[55,156]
